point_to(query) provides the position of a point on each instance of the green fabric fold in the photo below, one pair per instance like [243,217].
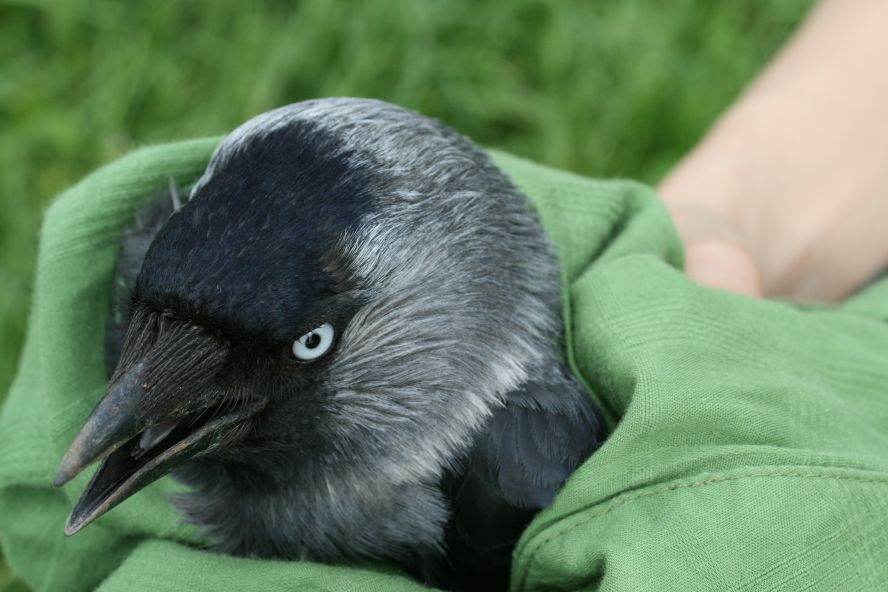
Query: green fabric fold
[750,438]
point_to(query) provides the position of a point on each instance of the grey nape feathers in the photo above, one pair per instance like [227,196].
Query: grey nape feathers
[347,341]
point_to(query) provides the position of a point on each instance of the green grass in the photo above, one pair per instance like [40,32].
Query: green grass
[606,88]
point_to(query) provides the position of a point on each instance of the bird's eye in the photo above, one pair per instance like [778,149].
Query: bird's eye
[314,344]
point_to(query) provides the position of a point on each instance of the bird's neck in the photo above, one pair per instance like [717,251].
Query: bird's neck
[328,514]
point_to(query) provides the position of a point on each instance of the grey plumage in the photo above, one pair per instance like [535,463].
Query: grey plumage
[444,417]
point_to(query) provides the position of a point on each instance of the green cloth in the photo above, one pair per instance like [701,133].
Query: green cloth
[749,447]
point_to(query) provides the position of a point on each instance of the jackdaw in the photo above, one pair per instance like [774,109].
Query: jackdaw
[347,340]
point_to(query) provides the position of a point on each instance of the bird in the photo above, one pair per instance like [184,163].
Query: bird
[347,341]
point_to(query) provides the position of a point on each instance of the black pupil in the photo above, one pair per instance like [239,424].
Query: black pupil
[312,341]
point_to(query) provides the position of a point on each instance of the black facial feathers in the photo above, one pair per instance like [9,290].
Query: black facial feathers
[253,240]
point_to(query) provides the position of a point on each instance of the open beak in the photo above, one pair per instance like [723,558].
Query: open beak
[138,443]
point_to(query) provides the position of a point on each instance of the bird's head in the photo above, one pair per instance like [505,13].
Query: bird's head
[349,284]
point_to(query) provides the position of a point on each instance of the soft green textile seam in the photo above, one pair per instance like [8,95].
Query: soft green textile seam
[588,513]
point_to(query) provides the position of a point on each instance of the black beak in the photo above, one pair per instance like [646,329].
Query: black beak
[156,415]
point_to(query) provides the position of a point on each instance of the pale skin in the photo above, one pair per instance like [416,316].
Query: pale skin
[787,195]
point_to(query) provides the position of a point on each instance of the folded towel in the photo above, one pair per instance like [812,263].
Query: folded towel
[748,446]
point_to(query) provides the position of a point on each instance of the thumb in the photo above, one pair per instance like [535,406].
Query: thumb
[722,264]
[714,253]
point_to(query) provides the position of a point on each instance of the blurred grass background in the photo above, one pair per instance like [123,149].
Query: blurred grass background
[605,88]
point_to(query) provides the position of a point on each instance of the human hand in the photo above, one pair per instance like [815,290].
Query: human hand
[715,255]
[787,195]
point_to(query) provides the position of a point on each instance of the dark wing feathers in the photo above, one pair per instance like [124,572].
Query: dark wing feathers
[515,468]
[535,441]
